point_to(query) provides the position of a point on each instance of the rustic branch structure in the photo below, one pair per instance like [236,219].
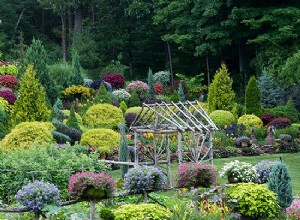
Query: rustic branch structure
[187,120]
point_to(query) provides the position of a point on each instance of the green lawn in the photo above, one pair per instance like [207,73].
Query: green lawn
[292,160]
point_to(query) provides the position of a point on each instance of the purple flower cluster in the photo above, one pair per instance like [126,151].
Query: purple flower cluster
[264,168]
[37,195]
[8,96]
[144,178]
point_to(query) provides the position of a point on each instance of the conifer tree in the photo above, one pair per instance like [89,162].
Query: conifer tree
[103,96]
[76,77]
[270,92]
[181,94]
[72,121]
[252,97]
[151,84]
[36,55]
[123,149]
[134,100]
[292,111]
[280,183]
[220,92]
[31,105]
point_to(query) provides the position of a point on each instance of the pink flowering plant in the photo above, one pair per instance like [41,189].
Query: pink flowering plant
[294,209]
[195,175]
[138,86]
[9,81]
[82,181]
[144,178]
[37,195]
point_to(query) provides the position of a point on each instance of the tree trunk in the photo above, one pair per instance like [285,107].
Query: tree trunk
[63,37]
[130,62]
[92,209]
[207,71]
[78,19]
[170,62]
[70,24]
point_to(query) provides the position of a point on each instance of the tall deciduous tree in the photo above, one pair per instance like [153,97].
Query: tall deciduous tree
[220,92]
[31,105]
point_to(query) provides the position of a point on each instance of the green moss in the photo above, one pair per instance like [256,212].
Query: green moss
[221,118]
[103,139]
[103,116]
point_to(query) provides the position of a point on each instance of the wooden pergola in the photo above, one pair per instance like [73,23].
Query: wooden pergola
[187,120]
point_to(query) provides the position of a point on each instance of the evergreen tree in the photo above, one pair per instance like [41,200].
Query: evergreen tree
[76,77]
[57,112]
[181,94]
[270,92]
[31,105]
[280,183]
[151,84]
[220,92]
[103,96]
[134,100]
[292,111]
[36,55]
[123,106]
[123,149]
[72,122]
[252,97]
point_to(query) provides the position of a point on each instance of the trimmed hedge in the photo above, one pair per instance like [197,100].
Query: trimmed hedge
[221,118]
[250,121]
[103,139]
[103,116]
[27,135]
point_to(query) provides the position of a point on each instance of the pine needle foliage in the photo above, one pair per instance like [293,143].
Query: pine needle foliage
[72,122]
[280,183]
[181,94]
[220,92]
[123,149]
[103,96]
[31,105]
[252,97]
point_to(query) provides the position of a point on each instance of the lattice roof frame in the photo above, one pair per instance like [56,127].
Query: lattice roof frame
[172,117]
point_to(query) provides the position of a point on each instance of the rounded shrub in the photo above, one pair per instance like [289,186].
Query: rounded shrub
[27,135]
[121,94]
[103,139]
[254,200]
[144,178]
[9,81]
[135,110]
[142,211]
[103,116]
[37,195]
[250,121]
[279,123]
[267,118]
[221,118]
[116,80]
[159,89]
[8,96]
[195,175]
[129,118]
[264,168]
[138,86]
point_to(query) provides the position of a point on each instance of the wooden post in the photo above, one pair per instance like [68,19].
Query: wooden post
[168,161]
[136,156]
[211,151]
[179,140]
[155,151]
[92,209]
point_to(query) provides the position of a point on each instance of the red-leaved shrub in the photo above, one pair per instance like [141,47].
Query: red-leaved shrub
[9,81]
[195,175]
[267,118]
[8,96]
[159,89]
[279,123]
[116,80]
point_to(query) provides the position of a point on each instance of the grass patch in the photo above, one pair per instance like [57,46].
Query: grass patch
[290,159]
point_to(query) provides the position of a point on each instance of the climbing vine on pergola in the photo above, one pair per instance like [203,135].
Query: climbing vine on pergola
[187,120]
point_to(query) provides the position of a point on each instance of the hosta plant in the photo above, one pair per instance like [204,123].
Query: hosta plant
[237,172]
[144,178]
[195,175]
[80,183]
[37,195]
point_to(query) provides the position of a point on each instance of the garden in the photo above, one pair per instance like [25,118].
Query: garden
[154,148]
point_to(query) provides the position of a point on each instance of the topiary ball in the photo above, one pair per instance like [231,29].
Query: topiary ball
[222,118]
[27,135]
[103,139]
[250,121]
[103,116]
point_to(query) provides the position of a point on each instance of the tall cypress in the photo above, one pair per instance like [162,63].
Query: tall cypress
[181,94]
[151,84]
[252,97]
[123,149]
